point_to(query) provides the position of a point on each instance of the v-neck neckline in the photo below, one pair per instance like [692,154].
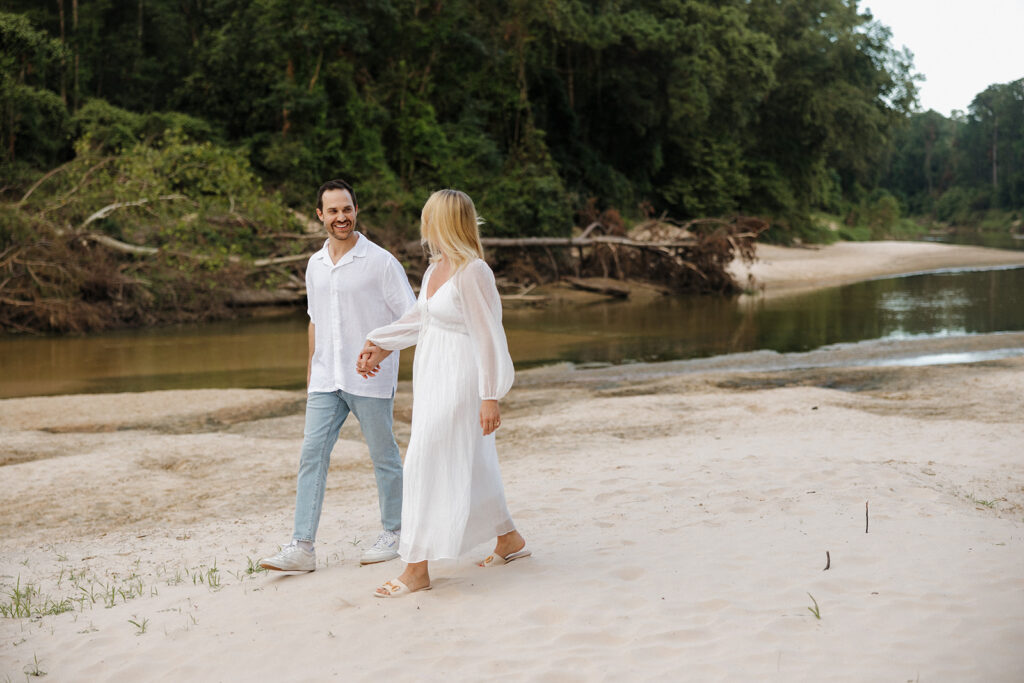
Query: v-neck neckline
[439,287]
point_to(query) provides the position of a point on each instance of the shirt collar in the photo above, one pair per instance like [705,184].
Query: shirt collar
[357,251]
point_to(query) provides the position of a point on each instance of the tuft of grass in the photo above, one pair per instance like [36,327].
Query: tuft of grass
[29,602]
[815,610]
[33,668]
[253,567]
[213,576]
[139,625]
[991,504]
[210,577]
[20,601]
[176,579]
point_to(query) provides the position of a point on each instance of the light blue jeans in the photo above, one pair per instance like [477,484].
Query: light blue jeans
[325,414]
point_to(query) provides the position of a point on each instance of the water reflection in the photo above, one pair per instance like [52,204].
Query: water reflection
[271,353]
[996,239]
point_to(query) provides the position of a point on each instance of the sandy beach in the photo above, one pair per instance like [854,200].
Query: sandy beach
[838,516]
[781,271]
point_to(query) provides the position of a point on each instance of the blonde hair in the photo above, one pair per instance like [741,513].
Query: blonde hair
[450,226]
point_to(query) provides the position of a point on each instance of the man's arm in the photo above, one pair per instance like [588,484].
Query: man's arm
[312,348]
[398,293]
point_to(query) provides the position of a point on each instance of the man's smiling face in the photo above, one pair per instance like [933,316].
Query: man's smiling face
[338,214]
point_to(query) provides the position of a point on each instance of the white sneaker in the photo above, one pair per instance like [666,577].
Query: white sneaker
[291,558]
[386,548]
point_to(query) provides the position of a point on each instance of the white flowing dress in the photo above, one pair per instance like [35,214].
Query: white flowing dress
[452,496]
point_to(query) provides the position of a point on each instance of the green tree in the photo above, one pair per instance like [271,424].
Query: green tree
[993,138]
[922,165]
[840,91]
[33,119]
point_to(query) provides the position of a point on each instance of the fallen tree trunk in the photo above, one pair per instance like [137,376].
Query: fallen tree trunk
[111,208]
[140,250]
[599,285]
[691,257]
[266,297]
[118,245]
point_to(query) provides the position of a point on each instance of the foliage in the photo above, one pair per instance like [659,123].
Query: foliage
[959,169]
[188,217]
[841,89]
[102,127]
[542,111]
[33,119]
[685,107]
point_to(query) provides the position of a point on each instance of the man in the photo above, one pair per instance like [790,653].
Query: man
[352,287]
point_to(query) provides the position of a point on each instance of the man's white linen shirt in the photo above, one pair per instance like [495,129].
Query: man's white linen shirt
[366,289]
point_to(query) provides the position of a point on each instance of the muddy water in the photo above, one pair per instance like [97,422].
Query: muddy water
[271,352]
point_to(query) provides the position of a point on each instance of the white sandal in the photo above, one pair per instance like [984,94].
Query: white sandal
[496,560]
[395,589]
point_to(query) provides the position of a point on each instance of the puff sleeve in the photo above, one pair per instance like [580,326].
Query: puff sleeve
[481,306]
[400,334]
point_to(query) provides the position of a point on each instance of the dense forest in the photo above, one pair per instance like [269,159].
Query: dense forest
[195,132]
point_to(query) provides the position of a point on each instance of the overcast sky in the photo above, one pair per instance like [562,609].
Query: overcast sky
[960,46]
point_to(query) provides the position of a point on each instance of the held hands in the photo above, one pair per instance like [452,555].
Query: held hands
[370,358]
[490,416]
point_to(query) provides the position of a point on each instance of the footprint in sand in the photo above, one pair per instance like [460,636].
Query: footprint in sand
[546,616]
[621,493]
[628,573]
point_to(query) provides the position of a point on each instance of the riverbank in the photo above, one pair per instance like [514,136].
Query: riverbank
[783,271]
[681,517]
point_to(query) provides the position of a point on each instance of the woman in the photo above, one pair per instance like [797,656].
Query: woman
[452,497]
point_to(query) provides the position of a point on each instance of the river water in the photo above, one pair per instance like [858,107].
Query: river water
[271,353]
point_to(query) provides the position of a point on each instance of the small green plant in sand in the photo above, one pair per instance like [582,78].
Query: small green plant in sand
[972,497]
[814,610]
[29,602]
[140,626]
[253,567]
[176,579]
[20,601]
[33,668]
[210,577]
[128,590]
[213,576]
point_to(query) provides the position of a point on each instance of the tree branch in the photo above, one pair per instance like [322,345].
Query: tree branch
[42,180]
[111,208]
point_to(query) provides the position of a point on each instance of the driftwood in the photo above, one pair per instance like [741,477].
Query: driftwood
[111,208]
[141,250]
[688,257]
[599,285]
[118,245]
[73,277]
[267,297]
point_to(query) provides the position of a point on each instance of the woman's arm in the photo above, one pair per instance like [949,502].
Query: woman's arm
[481,305]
